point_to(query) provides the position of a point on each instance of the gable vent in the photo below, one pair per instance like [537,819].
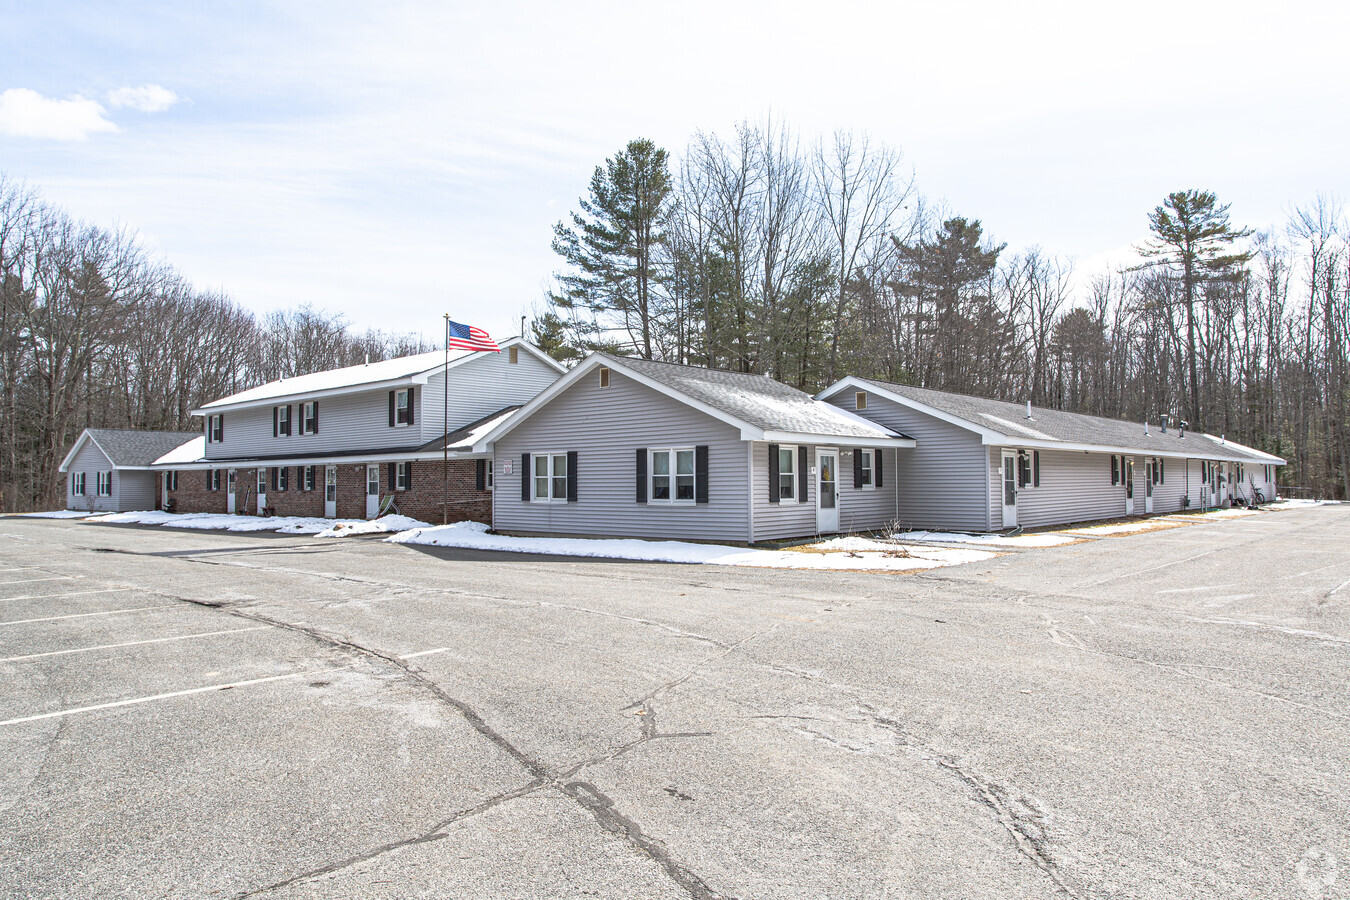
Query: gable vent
[604,376]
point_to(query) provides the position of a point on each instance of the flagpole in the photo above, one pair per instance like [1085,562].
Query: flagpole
[445,427]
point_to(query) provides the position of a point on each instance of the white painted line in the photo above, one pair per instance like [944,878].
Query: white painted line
[67,594]
[171,694]
[411,655]
[1205,587]
[111,612]
[181,637]
[36,580]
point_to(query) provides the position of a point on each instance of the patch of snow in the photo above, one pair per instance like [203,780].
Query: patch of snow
[1119,528]
[187,452]
[1231,513]
[992,540]
[1296,504]
[57,514]
[474,536]
[281,524]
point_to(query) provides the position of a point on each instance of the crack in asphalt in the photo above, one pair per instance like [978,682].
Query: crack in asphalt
[586,795]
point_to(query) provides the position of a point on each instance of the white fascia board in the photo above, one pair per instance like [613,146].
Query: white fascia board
[836,440]
[1179,453]
[282,399]
[74,450]
[1263,457]
[433,456]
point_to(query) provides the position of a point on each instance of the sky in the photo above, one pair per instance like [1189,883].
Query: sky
[393,162]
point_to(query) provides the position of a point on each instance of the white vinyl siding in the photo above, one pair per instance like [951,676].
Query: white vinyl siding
[606,427]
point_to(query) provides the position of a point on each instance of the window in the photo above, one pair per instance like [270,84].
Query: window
[787,478]
[280,477]
[281,421]
[1239,473]
[513,355]
[860,400]
[77,483]
[170,481]
[550,477]
[402,475]
[1029,468]
[212,479]
[1035,468]
[489,471]
[262,482]
[308,481]
[309,419]
[1159,476]
[604,376]
[672,476]
[215,428]
[403,413]
[864,468]
[105,484]
[1115,470]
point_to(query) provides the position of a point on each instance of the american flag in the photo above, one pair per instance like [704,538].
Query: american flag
[466,337]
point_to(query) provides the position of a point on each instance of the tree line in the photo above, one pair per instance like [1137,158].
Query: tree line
[808,261]
[95,332]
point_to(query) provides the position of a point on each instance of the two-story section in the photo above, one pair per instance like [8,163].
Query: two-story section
[362,441]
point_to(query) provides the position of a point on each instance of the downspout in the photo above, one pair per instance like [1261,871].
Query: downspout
[750,488]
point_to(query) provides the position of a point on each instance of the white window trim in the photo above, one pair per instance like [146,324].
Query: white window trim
[77,484]
[674,483]
[104,482]
[402,476]
[403,396]
[871,469]
[215,427]
[534,479]
[304,417]
[796,478]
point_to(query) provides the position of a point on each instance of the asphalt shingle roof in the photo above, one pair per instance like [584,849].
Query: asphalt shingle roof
[757,400]
[1010,419]
[126,447]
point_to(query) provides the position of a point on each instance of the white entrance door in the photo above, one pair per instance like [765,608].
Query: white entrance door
[1148,485]
[229,497]
[164,490]
[372,490]
[330,491]
[262,489]
[1009,488]
[1129,486]
[827,491]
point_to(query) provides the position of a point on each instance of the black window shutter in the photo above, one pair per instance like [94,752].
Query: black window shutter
[571,476]
[525,477]
[393,477]
[275,432]
[857,467]
[1115,471]
[1162,476]
[1035,468]
[701,473]
[290,417]
[802,474]
[220,426]
[480,474]
[316,417]
[773,473]
[642,475]
[208,479]
[412,406]
[877,456]
[392,401]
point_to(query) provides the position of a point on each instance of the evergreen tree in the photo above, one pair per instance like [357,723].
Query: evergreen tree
[612,246]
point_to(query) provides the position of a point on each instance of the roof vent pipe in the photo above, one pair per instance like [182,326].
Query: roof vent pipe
[1163,418]
[1028,409]
[1182,425]
[1146,426]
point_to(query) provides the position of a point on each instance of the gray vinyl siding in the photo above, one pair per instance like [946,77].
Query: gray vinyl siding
[941,479]
[479,388]
[131,490]
[1076,487]
[859,509]
[867,509]
[605,427]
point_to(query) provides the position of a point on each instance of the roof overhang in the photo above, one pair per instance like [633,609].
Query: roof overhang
[347,459]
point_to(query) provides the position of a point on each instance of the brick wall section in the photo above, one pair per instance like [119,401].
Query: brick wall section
[421,501]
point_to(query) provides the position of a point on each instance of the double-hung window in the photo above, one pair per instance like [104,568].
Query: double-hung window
[77,483]
[865,479]
[283,417]
[787,473]
[309,478]
[401,476]
[550,477]
[280,478]
[212,480]
[215,428]
[672,475]
[105,484]
[171,481]
[403,414]
[309,418]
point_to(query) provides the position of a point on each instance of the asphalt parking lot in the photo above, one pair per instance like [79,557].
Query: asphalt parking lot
[188,714]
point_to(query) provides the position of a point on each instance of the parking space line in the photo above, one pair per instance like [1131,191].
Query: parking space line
[181,637]
[408,655]
[171,694]
[67,594]
[36,580]
[111,612]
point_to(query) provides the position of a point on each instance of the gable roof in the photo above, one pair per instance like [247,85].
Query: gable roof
[401,370]
[763,409]
[1001,422]
[129,448]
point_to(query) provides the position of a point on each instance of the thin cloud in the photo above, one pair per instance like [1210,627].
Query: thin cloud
[148,98]
[26,113]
